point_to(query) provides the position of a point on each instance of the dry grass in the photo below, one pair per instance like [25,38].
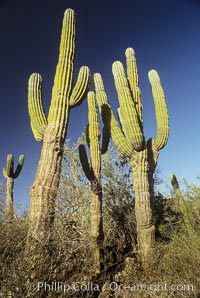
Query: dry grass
[177,256]
[177,262]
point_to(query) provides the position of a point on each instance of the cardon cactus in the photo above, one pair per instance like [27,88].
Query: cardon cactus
[93,173]
[187,217]
[130,140]
[10,175]
[52,130]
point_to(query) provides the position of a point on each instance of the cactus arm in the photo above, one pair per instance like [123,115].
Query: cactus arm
[81,87]
[160,110]
[19,166]
[94,135]
[38,119]
[105,140]
[108,118]
[8,170]
[92,131]
[120,120]
[85,163]
[132,128]
[133,80]
[87,135]
[5,172]
[64,71]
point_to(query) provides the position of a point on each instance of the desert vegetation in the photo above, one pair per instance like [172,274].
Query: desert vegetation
[98,228]
[176,256]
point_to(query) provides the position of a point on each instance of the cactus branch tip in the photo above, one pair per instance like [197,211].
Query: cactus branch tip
[97,76]
[86,68]
[34,76]
[129,52]
[68,12]
[91,94]
[98,82]
[118,69]
[153,76]
[116,65]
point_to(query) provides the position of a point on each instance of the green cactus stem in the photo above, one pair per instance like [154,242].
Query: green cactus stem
[52,130]
[182,205]
[129,139]
[92,171]
[10,175]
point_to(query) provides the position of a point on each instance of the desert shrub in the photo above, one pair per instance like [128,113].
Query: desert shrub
[74,199]
[2,201]
[177,259]
[176,268]
[12,241]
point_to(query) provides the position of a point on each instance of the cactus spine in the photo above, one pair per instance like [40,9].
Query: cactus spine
[52,130]
[182,205]
[93,173]
[130,140]
[10,175]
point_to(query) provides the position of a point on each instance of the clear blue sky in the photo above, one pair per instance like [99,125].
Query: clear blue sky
[165,36]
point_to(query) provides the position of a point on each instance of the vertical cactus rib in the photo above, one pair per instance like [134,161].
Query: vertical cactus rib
[132,129]
[38,119]
[160,110]
[132,73]
[108,118]
[64,70]
[94,135]
[81,87]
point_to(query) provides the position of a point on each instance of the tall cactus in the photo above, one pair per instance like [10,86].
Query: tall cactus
[130,140]
[52,130]
[10,175]
[187,220]
[93,173]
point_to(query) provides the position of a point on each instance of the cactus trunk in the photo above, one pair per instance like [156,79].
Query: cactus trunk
[143,184]
[45,186]
[93,173]
[9,198]
[96,223]
[43,194]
